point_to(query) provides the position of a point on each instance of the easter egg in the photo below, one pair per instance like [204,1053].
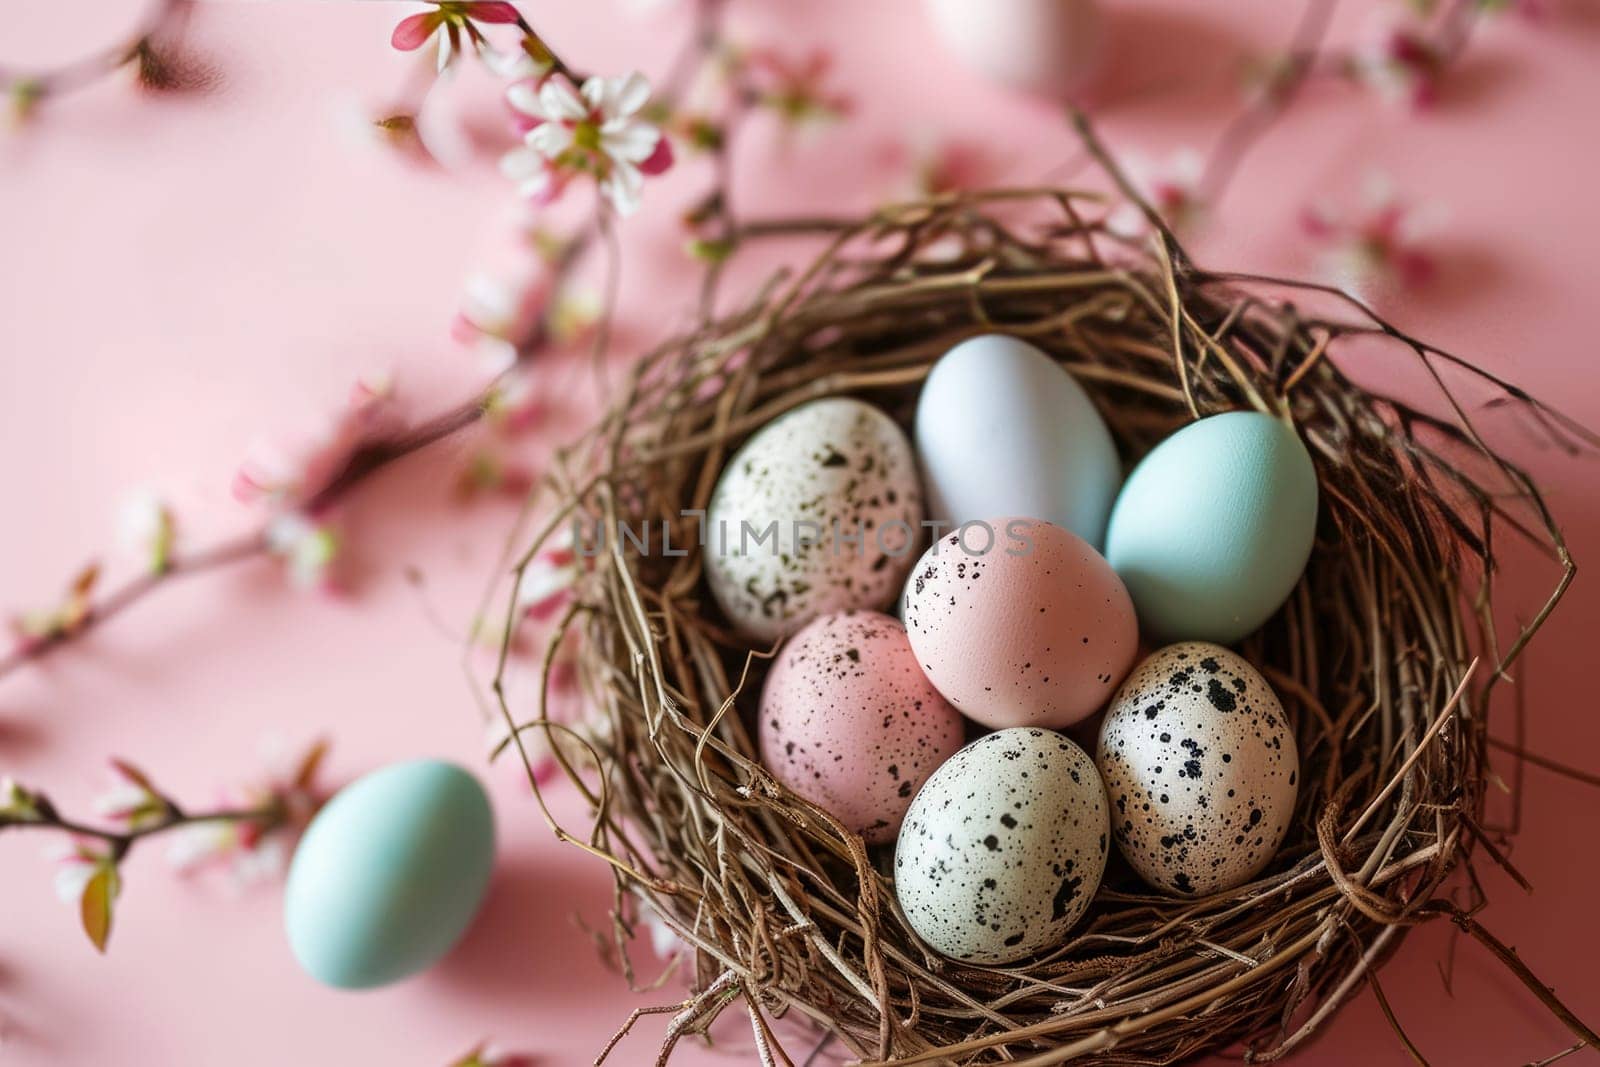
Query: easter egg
[1002,429]
[1020,623]
[849,721]
[1051,47]
[389,874]
[1214,527]
[1201,769]
[1003,848]
[820,511]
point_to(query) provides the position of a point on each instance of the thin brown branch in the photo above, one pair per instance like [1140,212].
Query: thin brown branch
[1586,777]
[119,600]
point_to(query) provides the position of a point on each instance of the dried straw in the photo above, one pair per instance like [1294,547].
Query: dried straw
[787,914]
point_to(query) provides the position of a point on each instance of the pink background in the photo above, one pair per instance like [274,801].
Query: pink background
[178,276]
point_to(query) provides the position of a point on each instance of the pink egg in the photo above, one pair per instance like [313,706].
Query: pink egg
[1019,622]
[849,721]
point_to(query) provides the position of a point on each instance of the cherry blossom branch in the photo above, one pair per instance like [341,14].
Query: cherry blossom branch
[220,555]
[82,613]
[146,45]
[91,872]
[1276,97]
[267,817]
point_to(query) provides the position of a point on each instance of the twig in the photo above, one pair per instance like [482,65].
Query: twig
[269,817]
[1586,777]
[1508,956]
[182,565]
[1250,125]
[163,17]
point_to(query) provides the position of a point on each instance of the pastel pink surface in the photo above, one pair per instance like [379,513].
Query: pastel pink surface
[1022,624]
[182,274]
[850,722]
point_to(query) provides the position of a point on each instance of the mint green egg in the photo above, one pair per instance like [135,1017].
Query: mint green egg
[1213,528]
[389,874]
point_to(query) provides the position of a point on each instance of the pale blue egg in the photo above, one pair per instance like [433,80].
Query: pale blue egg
[389,874]
[1214,527]
[1002,429]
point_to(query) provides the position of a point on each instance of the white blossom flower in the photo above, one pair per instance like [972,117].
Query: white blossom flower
[78,863]
[596,130]
[548,580]
[449,21]
[306,546]
[1380,246]
[1171,186]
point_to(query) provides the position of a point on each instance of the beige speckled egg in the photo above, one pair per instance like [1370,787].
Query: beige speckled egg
[818,512]
[849,721]
[1003,848]
[1034,630]
[1200,767]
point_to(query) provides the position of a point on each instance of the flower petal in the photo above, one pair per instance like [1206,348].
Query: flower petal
[557,101]
[493,11]
[658,161]
[627,95]
[632,141]
[71,879]
[622,187]
[520,164]
[549,140]
[514,64]
[449,45]
[414,30]
[524,96]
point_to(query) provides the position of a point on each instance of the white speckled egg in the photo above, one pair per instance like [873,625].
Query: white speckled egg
[779,528]
[1002,429]
[1003,848]
[850,722]
[1200,767]
[1020,623]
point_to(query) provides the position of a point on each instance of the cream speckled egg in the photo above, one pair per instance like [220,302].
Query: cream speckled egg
[1200,767]
[1036,630]
[849,721]
[818,512]
[1004,847]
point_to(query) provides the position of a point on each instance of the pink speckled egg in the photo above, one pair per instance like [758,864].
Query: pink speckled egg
[849,721]
[1019,622]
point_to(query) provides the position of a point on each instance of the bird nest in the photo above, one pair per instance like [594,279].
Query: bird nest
[786,914]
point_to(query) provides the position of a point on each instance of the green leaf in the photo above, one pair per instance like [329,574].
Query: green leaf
[708,250]
[95,907]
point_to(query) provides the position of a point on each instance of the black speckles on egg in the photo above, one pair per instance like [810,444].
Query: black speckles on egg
[1004,847]
[1201,711]
[839,464]
[850,722]
[1021,637]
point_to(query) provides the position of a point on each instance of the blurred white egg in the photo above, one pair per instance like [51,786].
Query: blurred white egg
[1051,47]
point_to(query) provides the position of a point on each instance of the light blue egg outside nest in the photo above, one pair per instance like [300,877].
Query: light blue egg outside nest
[1213,529]
[389,874]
